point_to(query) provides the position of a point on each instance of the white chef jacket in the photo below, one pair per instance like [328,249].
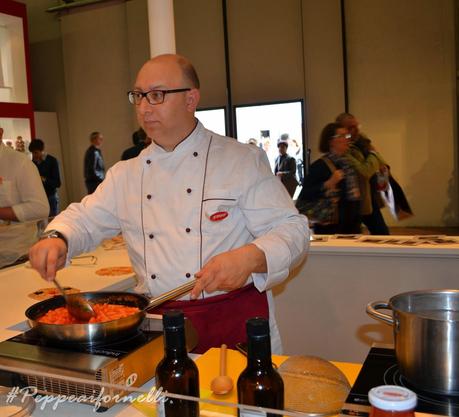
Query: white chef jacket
[22,190]
[21,187]
[178,209]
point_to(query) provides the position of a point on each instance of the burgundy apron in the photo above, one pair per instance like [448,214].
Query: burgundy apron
[221,319]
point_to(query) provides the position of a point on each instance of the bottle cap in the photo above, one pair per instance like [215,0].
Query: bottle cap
[393,398]
[173,319]
[257,326]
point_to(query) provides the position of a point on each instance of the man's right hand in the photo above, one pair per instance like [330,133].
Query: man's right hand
[48,256]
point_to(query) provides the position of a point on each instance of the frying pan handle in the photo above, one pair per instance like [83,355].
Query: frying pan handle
[380,305]
[170,295]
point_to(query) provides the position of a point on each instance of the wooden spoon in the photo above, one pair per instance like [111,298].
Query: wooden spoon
[222,384]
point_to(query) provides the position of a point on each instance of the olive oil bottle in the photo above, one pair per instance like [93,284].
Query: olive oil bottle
[259,384]
[176,373]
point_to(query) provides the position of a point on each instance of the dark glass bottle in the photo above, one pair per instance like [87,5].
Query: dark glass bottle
[177,373]
[259,383]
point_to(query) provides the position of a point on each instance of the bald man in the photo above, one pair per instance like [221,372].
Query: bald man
[194,204]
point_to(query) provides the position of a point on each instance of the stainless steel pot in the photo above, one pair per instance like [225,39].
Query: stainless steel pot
[426,337]
[108,330]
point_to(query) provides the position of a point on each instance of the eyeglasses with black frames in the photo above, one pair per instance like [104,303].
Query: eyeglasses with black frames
[153,96]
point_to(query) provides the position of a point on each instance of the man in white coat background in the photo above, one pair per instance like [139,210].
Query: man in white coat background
[22,203]
[193,204]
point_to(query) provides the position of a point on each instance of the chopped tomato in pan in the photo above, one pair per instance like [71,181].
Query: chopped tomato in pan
[104,312]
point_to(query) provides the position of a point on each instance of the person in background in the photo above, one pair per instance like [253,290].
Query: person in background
[193,204]
[94,169]
[265,141]
[333,182]
[22,196]
[299,160]
[48,167]
[22,201]
[285,166]
[367,163]
[140,141]
[20,145]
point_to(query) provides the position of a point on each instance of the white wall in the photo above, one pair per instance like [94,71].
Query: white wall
[402,87]
[95,45]
[199,36]
[323,57]
[320,309]
[13,80]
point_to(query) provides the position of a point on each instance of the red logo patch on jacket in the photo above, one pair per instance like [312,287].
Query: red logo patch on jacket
[218,216]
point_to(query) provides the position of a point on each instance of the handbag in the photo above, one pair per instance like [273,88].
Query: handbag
[323,210]
[382,178]
[395,199]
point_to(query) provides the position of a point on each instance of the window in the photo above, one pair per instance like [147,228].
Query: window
[13,81]
[264,124]
[213,119]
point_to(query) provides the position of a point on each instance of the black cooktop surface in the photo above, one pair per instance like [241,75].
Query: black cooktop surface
[113,348]
[380,368]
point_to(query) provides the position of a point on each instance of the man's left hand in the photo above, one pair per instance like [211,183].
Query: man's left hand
[229,270]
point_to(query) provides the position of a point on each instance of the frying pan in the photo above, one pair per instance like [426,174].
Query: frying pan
[95,332]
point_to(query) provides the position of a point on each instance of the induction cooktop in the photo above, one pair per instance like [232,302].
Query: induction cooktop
[380,368]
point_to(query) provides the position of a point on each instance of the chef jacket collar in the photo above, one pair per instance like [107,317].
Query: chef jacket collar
[192,142]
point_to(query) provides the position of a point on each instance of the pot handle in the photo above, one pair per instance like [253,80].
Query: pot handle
[380,305]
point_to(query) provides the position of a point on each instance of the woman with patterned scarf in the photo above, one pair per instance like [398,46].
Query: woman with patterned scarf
[330,196]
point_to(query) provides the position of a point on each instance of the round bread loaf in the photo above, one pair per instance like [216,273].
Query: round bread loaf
[313,385]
